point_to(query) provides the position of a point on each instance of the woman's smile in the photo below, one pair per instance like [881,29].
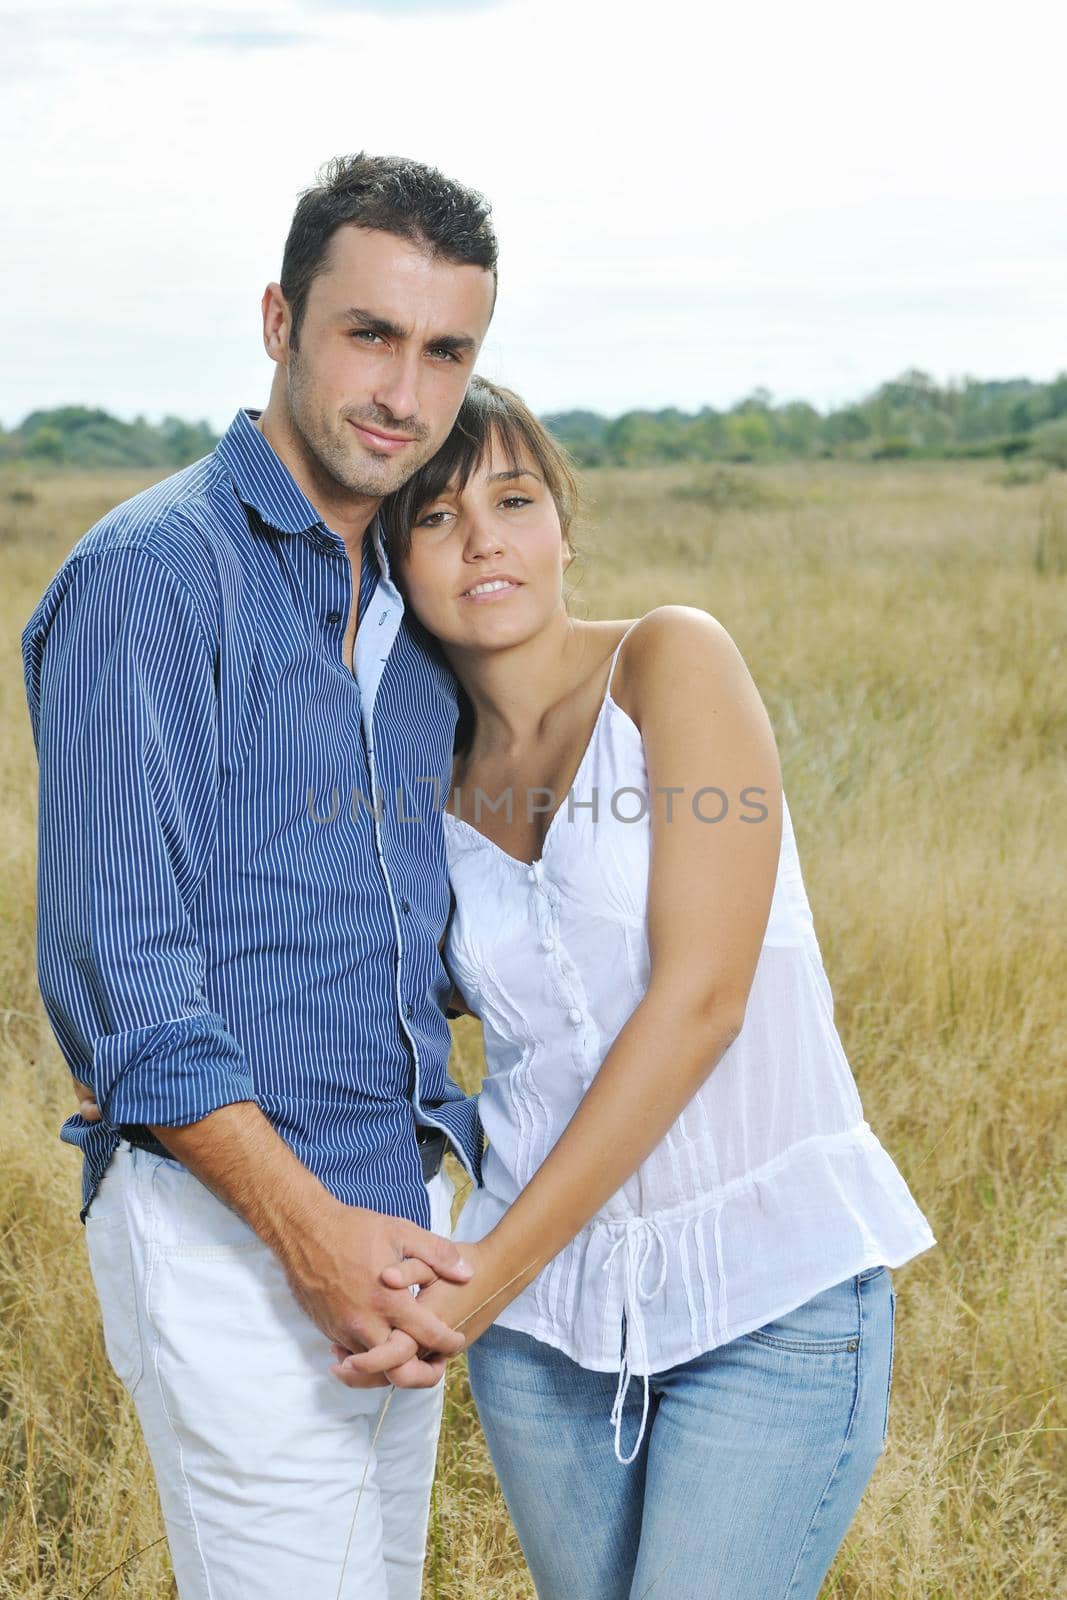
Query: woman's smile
[491,589]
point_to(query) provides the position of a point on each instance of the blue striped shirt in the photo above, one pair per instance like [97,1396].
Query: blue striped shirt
[242,883]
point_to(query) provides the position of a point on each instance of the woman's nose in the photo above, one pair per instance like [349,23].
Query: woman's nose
[483,536]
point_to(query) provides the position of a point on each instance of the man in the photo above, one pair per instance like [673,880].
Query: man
[239,923]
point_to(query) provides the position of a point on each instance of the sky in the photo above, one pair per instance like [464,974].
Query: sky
[693,200]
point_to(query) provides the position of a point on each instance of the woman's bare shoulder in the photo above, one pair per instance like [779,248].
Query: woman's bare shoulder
[663,646]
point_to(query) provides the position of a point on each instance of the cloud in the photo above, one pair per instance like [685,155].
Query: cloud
[219,36]
[409,8]
[240,27]
[36,41]
[131,28]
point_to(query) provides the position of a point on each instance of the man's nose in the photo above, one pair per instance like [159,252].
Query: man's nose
[397,388]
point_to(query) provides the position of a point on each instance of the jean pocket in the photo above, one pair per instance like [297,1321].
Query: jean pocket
[827,1324]
[111,1264]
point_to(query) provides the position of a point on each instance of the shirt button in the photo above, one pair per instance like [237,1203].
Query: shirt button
[405,907]
[548,944]
[574,1016]
[531,875]
[333,616]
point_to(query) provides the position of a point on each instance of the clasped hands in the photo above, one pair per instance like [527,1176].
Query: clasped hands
[465,1308]
[355,1275]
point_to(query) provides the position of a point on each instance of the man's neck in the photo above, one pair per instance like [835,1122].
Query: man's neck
[348,515]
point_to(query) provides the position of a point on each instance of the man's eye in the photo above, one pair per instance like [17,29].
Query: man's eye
[443,353]
[366,335]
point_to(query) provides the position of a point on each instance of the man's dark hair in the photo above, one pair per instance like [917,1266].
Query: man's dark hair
[392,195]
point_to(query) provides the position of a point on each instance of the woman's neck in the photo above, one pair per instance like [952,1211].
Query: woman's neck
[513,691]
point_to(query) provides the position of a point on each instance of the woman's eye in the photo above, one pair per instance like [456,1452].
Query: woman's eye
[513,501]
[433,519]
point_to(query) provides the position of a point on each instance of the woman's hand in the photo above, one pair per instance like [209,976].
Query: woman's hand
[469,1308]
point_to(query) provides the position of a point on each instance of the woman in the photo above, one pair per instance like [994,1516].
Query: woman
[683,1237]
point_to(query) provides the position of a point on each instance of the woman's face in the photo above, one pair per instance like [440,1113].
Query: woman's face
[485,566]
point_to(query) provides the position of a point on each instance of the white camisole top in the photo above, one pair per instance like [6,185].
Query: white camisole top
[769,1188]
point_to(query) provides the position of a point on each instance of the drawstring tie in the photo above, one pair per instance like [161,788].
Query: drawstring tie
[638,1241]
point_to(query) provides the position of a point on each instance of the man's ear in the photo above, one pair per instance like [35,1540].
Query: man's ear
[277,321]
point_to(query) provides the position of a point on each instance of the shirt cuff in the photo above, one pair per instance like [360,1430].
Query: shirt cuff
[171,1074]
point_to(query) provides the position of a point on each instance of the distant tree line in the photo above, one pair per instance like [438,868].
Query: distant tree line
[910,416]
[76,436]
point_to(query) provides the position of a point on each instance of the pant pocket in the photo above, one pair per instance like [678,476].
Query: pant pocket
[827,1324]
[111,1264]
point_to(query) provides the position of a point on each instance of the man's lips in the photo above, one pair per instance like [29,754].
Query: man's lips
[386,444]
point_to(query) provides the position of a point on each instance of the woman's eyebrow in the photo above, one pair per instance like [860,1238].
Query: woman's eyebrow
[513,472]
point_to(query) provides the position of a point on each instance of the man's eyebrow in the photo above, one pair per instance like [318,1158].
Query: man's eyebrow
[513,472]
[458,343]
[374,324]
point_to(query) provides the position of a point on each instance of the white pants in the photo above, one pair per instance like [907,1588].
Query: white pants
[258,1452]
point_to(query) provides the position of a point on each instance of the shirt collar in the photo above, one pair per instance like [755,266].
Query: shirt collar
[262,479]
[264,482]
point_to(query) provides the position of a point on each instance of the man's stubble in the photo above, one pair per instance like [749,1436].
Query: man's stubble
[329,447]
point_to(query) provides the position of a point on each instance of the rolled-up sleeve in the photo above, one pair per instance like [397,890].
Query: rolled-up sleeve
[120,675]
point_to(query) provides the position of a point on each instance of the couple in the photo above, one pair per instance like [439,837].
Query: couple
[672,1276]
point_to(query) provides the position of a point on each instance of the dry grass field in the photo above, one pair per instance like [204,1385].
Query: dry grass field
[907,625]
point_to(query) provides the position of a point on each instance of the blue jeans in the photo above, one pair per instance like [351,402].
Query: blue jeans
[752,1465]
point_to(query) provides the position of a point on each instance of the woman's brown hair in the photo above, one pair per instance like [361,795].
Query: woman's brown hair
[490,417]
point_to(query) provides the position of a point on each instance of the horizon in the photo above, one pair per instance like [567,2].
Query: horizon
[954,383]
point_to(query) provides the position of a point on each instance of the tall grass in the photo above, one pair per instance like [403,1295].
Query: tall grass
[906,625]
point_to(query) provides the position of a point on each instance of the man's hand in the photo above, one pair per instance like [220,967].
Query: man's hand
[335,1272]
[348,1268]
[87,1105]
[333,1254]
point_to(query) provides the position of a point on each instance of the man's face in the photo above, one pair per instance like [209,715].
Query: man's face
[387,344]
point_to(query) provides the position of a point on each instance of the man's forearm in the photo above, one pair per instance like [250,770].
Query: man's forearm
[332,1254]
[236,1153]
